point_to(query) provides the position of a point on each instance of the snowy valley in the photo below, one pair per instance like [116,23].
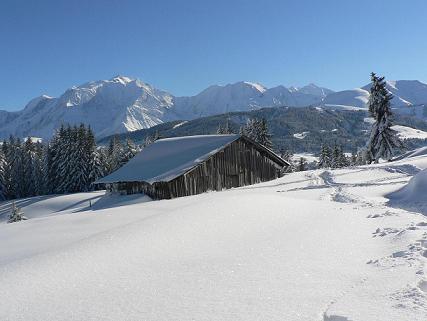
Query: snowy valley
[322,245]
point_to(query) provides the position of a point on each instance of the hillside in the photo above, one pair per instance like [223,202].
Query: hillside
[319,245]
[301,129]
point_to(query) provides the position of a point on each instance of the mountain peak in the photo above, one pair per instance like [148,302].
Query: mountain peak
[122,79]
[257,86]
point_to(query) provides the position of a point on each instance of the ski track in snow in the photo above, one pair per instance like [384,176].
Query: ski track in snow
[414,255]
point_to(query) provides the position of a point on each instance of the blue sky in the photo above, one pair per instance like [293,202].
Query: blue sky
[185,46]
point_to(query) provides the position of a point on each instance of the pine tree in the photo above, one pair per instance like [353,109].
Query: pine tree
[339,159]
[95,168]
[383,139]
[38,174]
[68,161]
[257,130]
[47,179]
[52,160]
[129,150]
[16,214]
[353,159]
[302,164]
[28,184]
[264,136]
[7,172]
[287,156]
[325,158]
[115,154]
[16,159]
[3,192]
[242,131]
[250,129]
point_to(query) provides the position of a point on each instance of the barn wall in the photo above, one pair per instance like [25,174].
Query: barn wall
[238,164]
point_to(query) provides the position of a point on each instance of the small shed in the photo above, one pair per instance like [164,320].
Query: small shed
[182,166]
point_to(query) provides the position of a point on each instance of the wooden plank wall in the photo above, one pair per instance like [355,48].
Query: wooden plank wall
[238,164]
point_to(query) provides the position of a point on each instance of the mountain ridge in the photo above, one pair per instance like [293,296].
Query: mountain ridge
[124,104]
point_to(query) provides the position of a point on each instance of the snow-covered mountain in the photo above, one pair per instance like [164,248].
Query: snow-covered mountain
[349,98]
[109,106]
[406,93]
[122,104]
[244,96]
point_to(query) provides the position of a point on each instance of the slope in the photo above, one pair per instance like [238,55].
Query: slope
[309,246]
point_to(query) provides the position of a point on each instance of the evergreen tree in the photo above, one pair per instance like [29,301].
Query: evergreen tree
[16,214]
[52,159]
[302,164]
[383,139]
[69,163]
[7,170]
[242,131]
[95,168]
[115,154]
[129,151]
[353,160]
[38,169]
[16,159]
[339,159]
[264,136]
[151,139]
[3,165]
[250,129]
[257,130]
[48,175]
[28,184]
[287,156]
[325,158]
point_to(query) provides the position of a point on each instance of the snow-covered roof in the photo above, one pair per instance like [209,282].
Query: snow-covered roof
[169,158]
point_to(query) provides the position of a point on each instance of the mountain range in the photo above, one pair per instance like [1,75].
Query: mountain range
[124,104]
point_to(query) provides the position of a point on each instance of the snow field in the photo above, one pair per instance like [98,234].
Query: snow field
[315,245]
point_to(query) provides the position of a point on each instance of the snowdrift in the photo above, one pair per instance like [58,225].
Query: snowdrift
[413,153]
[412,196]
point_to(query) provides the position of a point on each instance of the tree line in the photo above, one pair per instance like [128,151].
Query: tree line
[69,163]
[255,129]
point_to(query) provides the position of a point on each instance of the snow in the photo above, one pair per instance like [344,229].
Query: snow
[315,245]
[413,195]
[414,153]
[301,135]
[179,124]
[369,120]
[257,86]
[34,139]
[348,98]
[405,132]
[406,92]
[309,157]
[123,104]
[168,158]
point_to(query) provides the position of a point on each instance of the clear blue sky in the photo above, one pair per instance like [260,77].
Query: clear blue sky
[185,46]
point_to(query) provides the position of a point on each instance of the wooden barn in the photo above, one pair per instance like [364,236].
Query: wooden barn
[182,166]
